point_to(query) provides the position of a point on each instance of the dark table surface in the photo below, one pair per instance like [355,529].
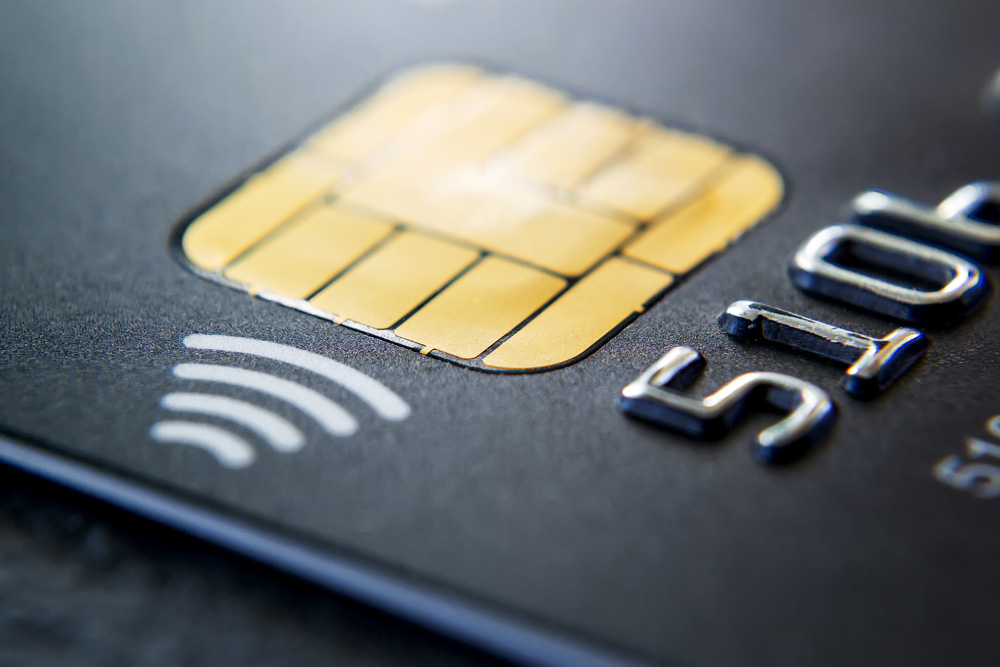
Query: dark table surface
[81,584]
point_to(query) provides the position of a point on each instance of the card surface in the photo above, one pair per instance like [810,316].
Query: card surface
[647,337]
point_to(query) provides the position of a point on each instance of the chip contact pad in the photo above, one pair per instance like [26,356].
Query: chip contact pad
[481,218]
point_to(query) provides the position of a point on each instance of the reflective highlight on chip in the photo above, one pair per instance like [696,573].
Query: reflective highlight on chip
[482,218]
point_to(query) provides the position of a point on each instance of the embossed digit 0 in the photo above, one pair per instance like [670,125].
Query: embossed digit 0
[819,267]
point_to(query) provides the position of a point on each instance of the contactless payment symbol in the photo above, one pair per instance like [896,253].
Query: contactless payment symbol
[481,218]
[210,401]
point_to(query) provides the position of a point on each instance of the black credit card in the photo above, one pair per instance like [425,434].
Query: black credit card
[583,333]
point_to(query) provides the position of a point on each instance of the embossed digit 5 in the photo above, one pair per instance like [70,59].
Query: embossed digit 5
[980,479]
[656,396]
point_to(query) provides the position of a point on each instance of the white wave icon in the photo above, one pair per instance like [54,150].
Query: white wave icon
[233,451]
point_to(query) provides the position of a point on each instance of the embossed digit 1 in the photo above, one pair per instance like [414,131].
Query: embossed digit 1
[656,396]
[874,363]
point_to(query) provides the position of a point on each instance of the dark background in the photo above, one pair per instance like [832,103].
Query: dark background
[83,585]
[530,492]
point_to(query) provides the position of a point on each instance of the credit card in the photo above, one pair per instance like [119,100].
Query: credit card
[581,333]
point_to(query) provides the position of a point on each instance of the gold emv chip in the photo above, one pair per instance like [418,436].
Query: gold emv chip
[482,218]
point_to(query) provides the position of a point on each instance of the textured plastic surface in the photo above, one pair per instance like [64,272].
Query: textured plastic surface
[530,494]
